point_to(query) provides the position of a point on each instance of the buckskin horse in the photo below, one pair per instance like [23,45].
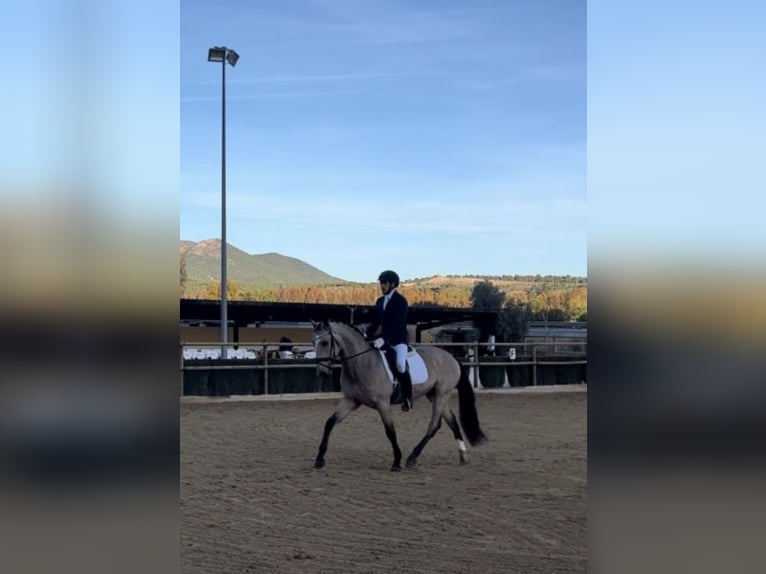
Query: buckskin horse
[365,381]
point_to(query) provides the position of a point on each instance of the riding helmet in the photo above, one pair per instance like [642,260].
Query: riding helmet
[389,277]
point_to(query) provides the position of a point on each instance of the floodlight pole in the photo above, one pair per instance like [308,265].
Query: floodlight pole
[223,54]
[224,293]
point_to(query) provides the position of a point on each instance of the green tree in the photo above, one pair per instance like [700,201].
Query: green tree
[512,322]
[486,297]
[556,314]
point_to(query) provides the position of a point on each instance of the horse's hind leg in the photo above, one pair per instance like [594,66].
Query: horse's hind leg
[344,407]
[451,421]
[384,409]
[433,427]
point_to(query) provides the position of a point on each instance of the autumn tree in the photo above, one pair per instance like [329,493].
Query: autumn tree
[213,290]
[184,276]
[577,304]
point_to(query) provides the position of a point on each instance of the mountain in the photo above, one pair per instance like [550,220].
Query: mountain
[203,264]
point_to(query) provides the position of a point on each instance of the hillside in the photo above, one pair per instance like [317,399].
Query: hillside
[203,265]
[277,278]
[508,283]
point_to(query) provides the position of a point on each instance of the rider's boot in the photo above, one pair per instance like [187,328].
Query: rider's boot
[406,390]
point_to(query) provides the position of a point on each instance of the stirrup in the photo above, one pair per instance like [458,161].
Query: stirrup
[407,405]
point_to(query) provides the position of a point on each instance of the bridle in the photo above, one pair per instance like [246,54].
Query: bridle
[338,358]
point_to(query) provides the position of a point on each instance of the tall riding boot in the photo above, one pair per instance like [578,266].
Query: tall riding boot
[406,390]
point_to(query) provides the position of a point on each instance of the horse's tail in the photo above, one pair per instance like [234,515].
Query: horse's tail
[469,418]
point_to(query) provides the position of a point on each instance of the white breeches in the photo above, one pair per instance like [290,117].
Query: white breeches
[401,357]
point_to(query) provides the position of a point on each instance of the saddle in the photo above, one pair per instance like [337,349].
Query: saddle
[415,365]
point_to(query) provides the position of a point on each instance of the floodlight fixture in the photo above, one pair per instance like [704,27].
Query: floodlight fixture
[216,54]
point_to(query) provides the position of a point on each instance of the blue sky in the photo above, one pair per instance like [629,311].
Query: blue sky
[470,116]
[429,137]
[676,124]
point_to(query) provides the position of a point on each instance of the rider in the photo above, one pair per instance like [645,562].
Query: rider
[391,317]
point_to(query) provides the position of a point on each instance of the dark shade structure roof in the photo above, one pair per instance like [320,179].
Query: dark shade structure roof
[243,313]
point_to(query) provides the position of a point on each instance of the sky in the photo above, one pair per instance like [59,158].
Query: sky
[676,125]
[431,138]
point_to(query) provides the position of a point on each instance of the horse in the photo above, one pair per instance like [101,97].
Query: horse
[365,381]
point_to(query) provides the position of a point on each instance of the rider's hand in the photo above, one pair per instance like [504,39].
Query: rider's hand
[378,343]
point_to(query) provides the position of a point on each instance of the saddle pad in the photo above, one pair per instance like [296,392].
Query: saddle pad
[415,363]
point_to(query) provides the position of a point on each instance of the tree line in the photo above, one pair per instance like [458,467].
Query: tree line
[540,303]
[516,305]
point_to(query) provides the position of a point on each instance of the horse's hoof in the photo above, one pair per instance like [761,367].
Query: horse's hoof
[396,468]
[411,462]
[319,464]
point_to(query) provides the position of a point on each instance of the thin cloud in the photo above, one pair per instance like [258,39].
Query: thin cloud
[528,75]
[505,217]
[270,95]
[333,78]
[307,85]
[340,77]
[383,23]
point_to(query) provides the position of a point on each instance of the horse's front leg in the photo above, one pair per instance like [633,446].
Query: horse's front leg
[345,406]
[384,409]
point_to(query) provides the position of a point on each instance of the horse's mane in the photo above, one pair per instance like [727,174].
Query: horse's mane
[346,327]
[353,336]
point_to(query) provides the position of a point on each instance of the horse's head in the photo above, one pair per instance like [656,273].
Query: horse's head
[326,347]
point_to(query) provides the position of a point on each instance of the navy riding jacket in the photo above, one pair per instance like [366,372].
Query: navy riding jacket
[392,320]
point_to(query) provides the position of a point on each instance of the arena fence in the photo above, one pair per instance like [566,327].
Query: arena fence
[269,368]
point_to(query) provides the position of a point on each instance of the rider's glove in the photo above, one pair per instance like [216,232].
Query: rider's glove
[378,343]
